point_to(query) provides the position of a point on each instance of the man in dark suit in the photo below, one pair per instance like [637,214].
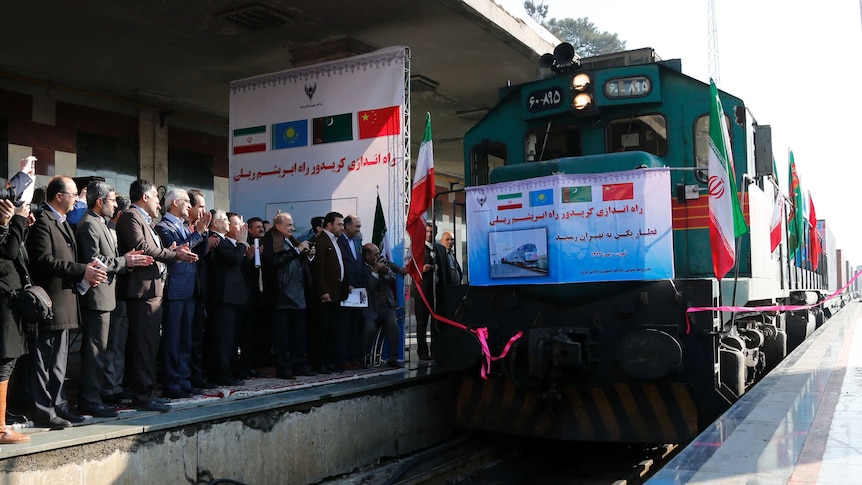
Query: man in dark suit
[199,221]
[179,301]
[253,329]
[453,269]
[95,241]
[330,288]
[143,290]
[350,243]
[379,280]
[227,293]
[54,266]
[433,278]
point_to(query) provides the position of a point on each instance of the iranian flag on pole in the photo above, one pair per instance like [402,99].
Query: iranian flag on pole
[726,221]
[421,198]
[775,223]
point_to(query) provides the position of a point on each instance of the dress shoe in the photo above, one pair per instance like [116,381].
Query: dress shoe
[323,370]
[54,422]
[176,394]
[346,366]
[285,375]
[12,418]
[100,412]
[202,384]
[424,356]
[304,371]
[9,436]
[394,364]
[256,374]
[358,364]
[151,406]
[70,415]
[240,374]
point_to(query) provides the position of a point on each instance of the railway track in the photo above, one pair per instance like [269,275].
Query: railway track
[491,459]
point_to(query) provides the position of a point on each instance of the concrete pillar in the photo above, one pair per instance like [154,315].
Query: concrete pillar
[153,147]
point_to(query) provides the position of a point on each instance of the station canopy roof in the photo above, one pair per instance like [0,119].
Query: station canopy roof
[182,55]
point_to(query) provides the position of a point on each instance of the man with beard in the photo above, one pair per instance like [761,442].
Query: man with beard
[54,266]
[96,241]
[143,290]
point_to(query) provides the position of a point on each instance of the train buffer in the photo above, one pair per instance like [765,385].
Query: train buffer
[802,424]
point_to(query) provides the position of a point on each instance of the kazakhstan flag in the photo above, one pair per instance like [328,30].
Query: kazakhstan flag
[290,134]
[541,197]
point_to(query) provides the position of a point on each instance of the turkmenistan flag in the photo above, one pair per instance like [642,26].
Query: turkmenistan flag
[248,140]
[581,193]
[333,128]
[796,219]
[726,221]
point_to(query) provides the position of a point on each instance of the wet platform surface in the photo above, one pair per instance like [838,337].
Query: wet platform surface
[802,424]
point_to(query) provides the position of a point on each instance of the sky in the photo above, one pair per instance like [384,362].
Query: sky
[795,64]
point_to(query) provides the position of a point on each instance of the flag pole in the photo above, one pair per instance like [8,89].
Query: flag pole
[737,243]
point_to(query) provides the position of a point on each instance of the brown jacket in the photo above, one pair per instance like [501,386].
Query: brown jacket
[144,282]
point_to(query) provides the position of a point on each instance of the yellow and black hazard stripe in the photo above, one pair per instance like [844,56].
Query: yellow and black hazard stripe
[623,412]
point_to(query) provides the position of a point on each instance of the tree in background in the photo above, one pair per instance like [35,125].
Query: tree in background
[581,33]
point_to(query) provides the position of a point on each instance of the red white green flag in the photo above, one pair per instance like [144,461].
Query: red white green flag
[421,198]
[814,238]
[726,221]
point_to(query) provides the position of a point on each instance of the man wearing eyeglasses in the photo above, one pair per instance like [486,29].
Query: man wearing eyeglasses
[54,266]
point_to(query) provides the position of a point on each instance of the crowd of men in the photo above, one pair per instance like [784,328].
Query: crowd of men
[184,302]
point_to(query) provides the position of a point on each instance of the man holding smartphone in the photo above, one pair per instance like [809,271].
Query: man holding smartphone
[96,243]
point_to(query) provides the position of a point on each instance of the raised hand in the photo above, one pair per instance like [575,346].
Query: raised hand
[203,222]
[135,258]
[185,254]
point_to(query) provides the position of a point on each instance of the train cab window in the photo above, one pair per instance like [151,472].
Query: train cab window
[646,133]
[485,157]
[701,140]
[550,142]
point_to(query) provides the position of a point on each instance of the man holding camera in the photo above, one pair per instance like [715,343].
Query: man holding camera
[379,280]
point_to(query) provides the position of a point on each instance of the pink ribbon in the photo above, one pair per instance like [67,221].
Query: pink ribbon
[480,333]
[768,308]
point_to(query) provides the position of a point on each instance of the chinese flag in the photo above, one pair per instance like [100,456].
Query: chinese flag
[618,191]
[379,122]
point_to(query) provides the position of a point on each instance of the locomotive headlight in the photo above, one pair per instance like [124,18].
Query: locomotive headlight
[581,81]
[582,101]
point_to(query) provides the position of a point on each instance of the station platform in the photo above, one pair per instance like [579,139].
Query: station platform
[802,424]
[268,430]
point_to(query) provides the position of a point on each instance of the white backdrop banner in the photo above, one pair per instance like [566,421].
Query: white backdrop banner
[320,138]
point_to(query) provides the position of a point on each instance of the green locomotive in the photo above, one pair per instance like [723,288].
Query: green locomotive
[607,354]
